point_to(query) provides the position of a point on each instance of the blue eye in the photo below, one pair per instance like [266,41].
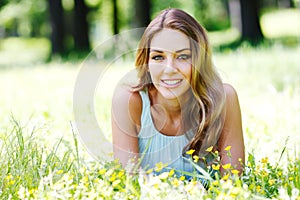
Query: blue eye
[184,57]
[157,57]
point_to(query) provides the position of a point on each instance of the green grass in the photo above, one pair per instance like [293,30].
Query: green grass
[22,51]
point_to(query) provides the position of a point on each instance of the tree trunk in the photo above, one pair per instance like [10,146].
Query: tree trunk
[292,4]
[115,18]
[142,13]
[81,27]
[251,30]
[57,25]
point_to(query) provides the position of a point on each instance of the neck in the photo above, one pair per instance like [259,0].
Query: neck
[173,108]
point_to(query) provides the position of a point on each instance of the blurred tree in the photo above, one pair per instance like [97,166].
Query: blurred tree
[23,18]
[251,30]
[142,13]
[115,17]
[3,3]
[159,5]
[292,3]
[57,25]
[214,15]
[81,27]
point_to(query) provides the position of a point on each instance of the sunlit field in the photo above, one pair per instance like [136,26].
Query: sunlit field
[42,155]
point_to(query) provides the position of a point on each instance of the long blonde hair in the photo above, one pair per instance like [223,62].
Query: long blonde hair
[206,85]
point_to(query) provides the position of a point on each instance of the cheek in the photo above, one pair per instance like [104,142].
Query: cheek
[154,70]
[187,72]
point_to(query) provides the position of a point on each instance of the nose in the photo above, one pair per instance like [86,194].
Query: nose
[170,65]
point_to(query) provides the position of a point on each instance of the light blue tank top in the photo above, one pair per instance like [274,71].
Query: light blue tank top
[156,147]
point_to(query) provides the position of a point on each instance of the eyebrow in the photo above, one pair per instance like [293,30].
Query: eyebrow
[160,51]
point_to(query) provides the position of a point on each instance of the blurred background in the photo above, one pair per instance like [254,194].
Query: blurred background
[43,30]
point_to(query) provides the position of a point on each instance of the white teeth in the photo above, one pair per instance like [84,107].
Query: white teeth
[171,82]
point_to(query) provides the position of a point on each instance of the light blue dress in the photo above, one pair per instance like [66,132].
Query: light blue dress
[156,147]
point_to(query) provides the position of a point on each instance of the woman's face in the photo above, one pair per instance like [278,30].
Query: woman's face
[170,63]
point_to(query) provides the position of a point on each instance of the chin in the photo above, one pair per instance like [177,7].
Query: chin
[172,94]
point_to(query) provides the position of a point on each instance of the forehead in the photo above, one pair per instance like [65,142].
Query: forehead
[169,40]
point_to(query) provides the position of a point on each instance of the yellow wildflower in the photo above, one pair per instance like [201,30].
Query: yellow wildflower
[225,177]
[121,173]
[251,186]
[182,178]
[159,166]
[215,167]
[196,158]
[235,171]
[258,188]
[249,164]
[264,160]
[227,148]
[264,173]
[11,182]
[175,182]
[209,149]
[102,171]
[32,191]
[279,173]
[171,172]
[190,152]
[215,183]
[271,182]
[149,171]
[226,166]
[59,171]
[8,177]
[113,177]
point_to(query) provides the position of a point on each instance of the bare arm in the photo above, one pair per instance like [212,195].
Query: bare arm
[126,109]
[232,133]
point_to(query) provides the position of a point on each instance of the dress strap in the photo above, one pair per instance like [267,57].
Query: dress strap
[146,115]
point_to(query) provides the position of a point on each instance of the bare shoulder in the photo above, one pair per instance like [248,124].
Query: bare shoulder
[230,92]
[232,133]
[232,104]
[125,101]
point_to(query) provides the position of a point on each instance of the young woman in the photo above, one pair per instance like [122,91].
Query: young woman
[180,102]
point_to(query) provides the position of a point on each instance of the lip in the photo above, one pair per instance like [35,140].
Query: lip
[171,83]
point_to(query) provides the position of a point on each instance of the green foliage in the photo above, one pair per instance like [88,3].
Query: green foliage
[30,170]
[213,16]
[28,50]
[158,5]
[25,18]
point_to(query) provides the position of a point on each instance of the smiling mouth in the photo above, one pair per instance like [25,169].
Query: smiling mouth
[172,82]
